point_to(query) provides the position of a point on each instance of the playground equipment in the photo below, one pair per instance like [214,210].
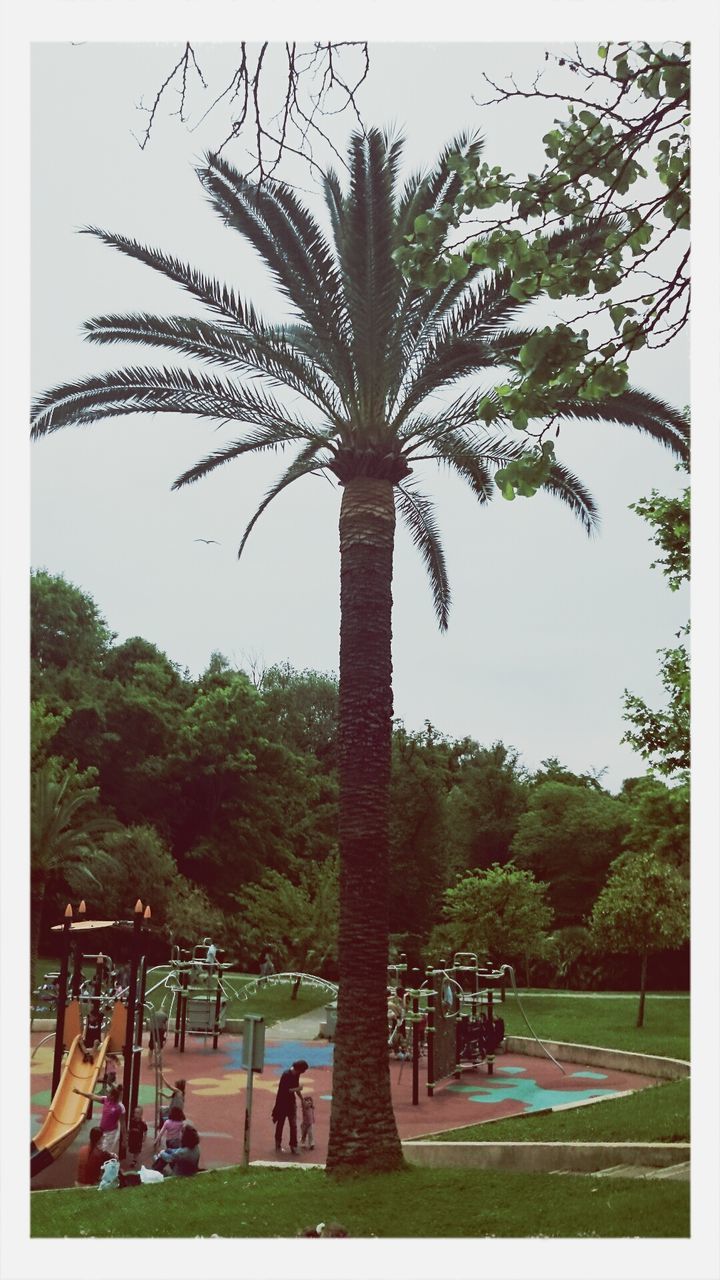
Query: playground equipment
[88,1037]
[447,1017]
[463,1032]
[296,979]
[198,991]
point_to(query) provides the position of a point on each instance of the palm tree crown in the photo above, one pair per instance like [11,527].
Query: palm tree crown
[365,348]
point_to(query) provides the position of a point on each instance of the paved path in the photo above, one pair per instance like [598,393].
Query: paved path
[599,995]
[305,1027]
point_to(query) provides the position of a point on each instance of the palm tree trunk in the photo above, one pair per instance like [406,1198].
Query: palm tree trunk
[363,1133]
[643,984]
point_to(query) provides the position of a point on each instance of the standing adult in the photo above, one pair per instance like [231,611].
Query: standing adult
[285,1108]
[211,954]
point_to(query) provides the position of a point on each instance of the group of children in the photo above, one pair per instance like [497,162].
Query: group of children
[176,1146]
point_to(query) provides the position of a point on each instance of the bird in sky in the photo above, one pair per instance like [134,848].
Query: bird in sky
[208,541]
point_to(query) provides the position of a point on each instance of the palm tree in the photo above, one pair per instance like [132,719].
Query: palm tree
[366,350]
[65,831]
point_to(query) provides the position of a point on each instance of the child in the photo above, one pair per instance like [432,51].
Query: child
[112,1118]
[111,1066]
[136,1135]
[171,1132]
[307,1125]
[90,1159]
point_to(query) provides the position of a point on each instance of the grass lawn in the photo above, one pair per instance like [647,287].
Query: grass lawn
[660,1114]
[605,1020]
[415,1202]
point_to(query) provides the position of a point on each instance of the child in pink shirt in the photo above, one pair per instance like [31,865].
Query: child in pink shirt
[170,1134]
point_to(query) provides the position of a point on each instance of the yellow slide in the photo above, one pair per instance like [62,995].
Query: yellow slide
[68,1109]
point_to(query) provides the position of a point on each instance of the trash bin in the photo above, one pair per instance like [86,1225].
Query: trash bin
[330,1019]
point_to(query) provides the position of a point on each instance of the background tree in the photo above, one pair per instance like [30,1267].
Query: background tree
[66,830]
[500,913]
[568,836]
[67,628]
[663,736]
[659,820]
[418,835]
[364,350]
[297,919]
[626,117]
[489,793]
[304,707]
[644,907]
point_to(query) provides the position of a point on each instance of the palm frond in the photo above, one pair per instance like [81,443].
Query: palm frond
[424,191]
[372,283]
[463,454]
[261,351]
[429,427]
[418,514]
[140,390]
[304,464]
[305,274]
[566,486]
[214,295]
[637,409]
[334,199]
[269,438]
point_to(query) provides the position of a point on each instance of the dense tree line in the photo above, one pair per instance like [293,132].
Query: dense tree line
[215,798]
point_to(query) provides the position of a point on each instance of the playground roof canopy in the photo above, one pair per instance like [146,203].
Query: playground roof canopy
[79,926]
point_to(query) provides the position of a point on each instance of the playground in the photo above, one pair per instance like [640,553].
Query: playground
[449,1065]
[216,1084]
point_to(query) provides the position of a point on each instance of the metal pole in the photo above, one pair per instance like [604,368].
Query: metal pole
[431,1036]
[77,959]
[250,1028]
[132,993]
[184,979]
[491,1055]
[416,1049]
[137,1043]
[177,1010]
[218,1000]
[61,1002]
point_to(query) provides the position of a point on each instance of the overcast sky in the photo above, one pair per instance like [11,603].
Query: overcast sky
[547,627]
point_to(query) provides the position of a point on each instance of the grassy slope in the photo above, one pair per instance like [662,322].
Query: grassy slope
[661,1114]
[434,1203]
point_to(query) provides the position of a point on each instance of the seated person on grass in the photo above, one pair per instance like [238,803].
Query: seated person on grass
[182,1161]
[91,1159]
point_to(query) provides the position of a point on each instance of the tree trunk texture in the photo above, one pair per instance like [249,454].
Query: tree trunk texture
[643,983]
[363,1133]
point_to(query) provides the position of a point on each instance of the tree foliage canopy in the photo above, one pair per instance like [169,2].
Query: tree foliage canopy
[643,907]
[662,736]
[499,913]
[617,169]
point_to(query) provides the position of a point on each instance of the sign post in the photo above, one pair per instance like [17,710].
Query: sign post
[253,1058]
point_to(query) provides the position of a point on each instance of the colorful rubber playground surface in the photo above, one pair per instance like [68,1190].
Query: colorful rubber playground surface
[215,1096]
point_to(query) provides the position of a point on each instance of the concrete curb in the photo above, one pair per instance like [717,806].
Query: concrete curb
[544,1157]
[646,1064]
